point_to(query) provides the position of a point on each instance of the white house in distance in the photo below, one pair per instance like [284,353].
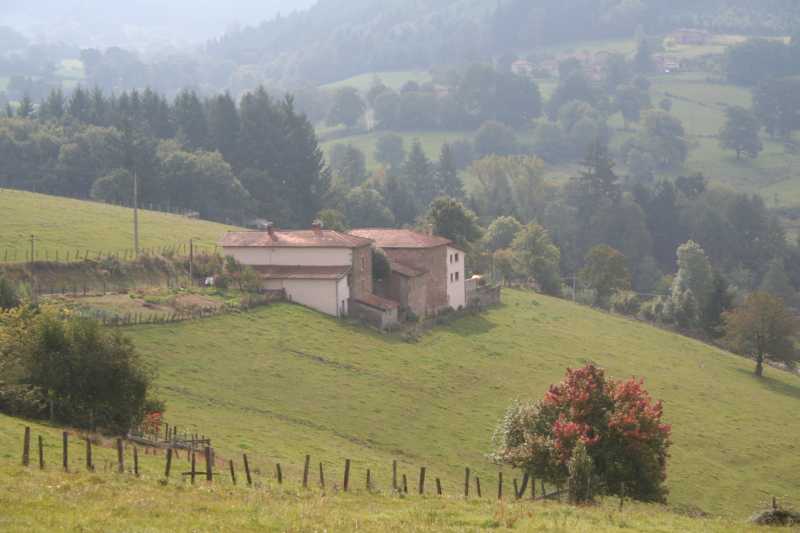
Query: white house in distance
[321,269]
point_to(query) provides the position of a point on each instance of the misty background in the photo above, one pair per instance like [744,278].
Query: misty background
[142,24]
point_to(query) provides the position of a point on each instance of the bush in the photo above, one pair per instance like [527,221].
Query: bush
[91,377]
[625,303]
[616,421]
[581,471]
[8,295]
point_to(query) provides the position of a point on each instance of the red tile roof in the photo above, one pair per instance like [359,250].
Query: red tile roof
[292,239]
[400,238]
[377,302]
[404,270]
[302,272]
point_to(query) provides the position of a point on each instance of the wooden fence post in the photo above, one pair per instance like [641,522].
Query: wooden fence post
[478,486]
[136,461]
[305,471]
[169,463]
[89,463]
[233,472]
[26,447]
[499,485]
[405,484]
[516,489]
[438,486]
[321,477]
[369,480]
[466,482]
[41,453]
[247,470]
[422,480]
[346,474]
[65,451]
[394,474]
[279,473]
[209,465]
[524,486]
[120,456]
[193,472]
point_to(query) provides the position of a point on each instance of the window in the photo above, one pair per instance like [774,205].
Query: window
[456,276]
[363,262]
[451,278]
[456,258]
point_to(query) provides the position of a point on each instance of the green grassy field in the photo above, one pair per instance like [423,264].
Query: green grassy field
[66,225]
[105,500]
[432,142]
[283,381]
[392,79]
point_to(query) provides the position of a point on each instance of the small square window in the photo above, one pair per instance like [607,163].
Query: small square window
[456,258]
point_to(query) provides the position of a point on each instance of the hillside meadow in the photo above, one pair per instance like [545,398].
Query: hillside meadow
[65,225]
[54,501]
[283,382]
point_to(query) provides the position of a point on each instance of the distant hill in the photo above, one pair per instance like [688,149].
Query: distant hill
[336,39]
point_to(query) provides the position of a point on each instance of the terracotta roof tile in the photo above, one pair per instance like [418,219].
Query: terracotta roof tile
[400,238]
[302,272]
[292,239]
[377,302]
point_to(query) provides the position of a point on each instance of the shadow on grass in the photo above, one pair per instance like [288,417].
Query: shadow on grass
[472,325]
[774,385]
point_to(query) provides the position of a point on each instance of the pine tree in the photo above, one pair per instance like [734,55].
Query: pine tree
[191,121]
[223,126]
[419,175]
[79,105]
[447,181]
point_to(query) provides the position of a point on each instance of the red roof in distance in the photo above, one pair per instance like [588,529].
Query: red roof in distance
[292,239]
[400,238]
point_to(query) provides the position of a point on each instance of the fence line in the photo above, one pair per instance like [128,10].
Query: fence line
[175,445]
[60,255]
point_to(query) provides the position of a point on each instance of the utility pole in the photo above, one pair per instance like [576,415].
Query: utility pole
[191,262]
[33,248]
[135,214]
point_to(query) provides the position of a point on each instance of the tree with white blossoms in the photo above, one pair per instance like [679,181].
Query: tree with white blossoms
[693,284]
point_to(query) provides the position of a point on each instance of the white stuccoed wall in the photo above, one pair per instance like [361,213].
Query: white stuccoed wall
[292,256]
[456,291]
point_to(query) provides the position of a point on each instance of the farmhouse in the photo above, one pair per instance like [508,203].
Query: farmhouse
[321,269]
[332,272]
[427,271]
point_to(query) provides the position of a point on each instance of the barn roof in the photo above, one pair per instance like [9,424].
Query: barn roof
[302,272]
[400,238]
[292,239]
[377,302]
[405,270]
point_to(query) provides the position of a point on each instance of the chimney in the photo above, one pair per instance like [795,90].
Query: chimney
[317,227]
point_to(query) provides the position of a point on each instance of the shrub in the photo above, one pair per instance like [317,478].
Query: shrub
[8,295]
[581,471]
[91,377]
[616,421]
[625,303]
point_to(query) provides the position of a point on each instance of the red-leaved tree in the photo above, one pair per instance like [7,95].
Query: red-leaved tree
[617,421]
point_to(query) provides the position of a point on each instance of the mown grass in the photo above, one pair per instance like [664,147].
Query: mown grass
[283,381]
[64,225]
[52,501]
[105,500]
